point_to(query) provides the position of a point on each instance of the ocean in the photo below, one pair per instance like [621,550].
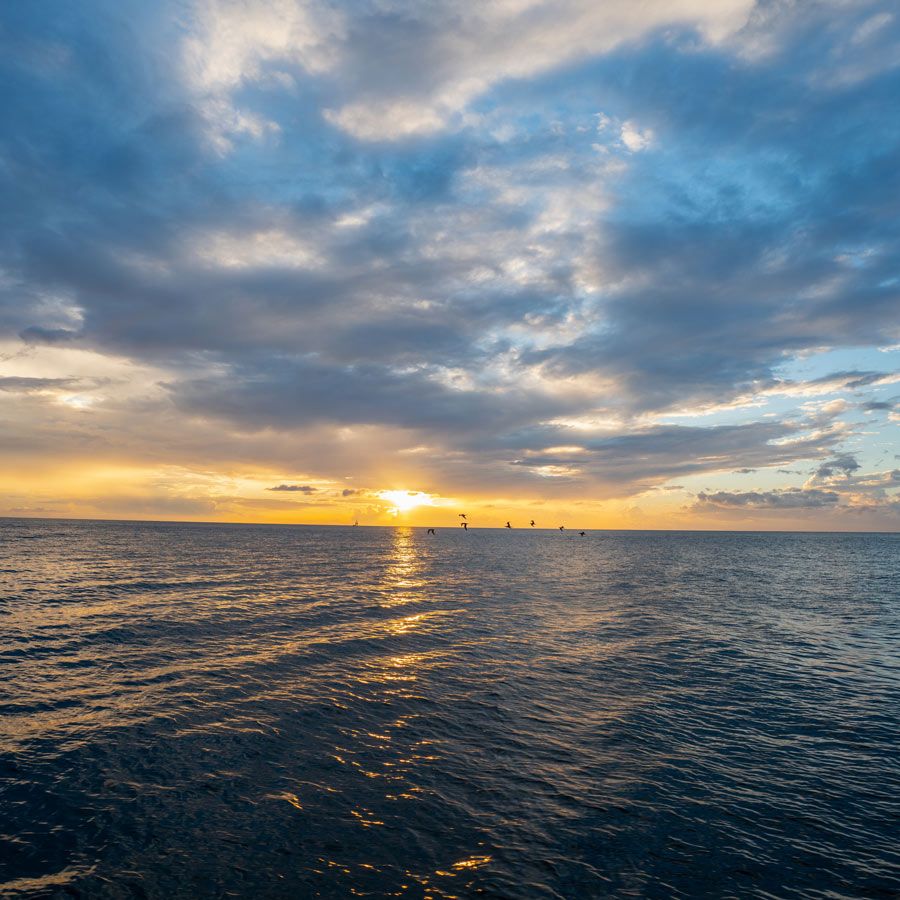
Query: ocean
[194,710]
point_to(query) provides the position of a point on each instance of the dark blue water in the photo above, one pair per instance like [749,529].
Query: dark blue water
[241,711]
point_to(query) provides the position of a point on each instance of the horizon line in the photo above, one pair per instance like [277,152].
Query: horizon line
[441,527]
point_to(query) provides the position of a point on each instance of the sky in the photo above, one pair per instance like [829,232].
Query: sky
[607,265]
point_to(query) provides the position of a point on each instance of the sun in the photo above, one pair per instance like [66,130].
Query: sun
[404,501]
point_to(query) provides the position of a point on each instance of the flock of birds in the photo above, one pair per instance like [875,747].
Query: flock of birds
[465,524]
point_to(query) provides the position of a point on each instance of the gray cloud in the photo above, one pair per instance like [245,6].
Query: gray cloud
[287,392]
[878,405]
[300,488]
[786,499]
[35,334]
[844,464]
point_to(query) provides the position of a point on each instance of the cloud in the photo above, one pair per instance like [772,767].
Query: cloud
[842,466]
[445,57]
[526,245]
[301,488]
[266,395]
[878,405]
[791,498]
[834,485]
[19,384]
[635,139]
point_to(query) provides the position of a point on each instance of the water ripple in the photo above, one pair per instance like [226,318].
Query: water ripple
[206,711]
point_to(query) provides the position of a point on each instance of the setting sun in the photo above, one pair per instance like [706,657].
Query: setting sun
[404,501]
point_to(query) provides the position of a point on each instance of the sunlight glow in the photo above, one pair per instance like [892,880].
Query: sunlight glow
[403,501]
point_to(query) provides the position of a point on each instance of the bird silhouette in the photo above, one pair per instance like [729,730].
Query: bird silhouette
[465,525]
[508,525]
[581,533]
[532,523]
[430,531]
[561,527]
[462,515]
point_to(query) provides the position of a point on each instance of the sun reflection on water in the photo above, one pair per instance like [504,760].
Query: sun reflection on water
[402,581]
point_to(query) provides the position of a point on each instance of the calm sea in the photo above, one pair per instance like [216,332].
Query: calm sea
[250,711]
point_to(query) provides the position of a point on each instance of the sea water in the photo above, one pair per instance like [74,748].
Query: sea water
[272,711]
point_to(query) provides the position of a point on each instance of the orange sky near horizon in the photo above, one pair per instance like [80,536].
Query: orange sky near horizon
[126,492]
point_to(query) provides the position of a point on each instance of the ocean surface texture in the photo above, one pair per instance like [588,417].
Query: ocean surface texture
[250,711]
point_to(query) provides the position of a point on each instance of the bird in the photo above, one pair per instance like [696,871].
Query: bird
[508,525]
[561,527]
[430,531]
[581,533]
[465,525]
[462,515]
[532,523]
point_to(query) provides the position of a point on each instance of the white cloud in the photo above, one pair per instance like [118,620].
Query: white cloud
[469,48]
[234,42]
[373,121]
[634,138]
[269,247]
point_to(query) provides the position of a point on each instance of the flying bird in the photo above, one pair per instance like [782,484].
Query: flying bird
[581,533]
[508,525]
[430,531]
[561,527]
[532,523]
[465,525]
[462,515]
